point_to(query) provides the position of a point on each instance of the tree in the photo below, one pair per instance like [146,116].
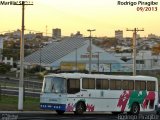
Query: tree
[37,68]
[4,68]
[156,49]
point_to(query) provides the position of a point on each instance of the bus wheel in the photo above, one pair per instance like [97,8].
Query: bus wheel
[135,109]
[80,108]
[59,112]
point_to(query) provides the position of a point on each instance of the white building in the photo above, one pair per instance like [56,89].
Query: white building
[17,33]
[147,61]
[71,54]
[119,34]
[152,36]
[8,61]
[56,33]
[144,60]
[78,34]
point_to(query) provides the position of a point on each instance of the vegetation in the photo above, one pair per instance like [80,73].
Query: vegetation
[9,103]
[106,42]
[4,68]
[36,69]
[156,49]
[12,48]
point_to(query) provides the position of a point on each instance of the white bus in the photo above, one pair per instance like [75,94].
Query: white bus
[78,93]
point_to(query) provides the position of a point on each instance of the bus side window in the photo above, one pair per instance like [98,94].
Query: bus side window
[143,85]
[112,84]
[118,84]
[151,85]
[102,84]
[140,85]
[137,85]
[128,85]
[73,86]
[125,85]
[88,83]
[131,85]
[105,84]
[115,84]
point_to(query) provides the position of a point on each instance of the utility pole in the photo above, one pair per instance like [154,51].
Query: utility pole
[135,30]
[21,80]
[90,49]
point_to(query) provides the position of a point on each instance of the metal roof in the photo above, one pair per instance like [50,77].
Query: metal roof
[55,50]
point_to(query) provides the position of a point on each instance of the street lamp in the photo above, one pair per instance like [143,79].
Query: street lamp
[90,49]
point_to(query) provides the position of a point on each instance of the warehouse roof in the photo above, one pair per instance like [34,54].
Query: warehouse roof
[55,50]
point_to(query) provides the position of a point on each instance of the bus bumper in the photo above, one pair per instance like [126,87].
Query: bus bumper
[50,106]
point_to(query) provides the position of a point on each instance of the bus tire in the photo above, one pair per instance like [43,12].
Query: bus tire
[135,109]
[80,108]
[59,112]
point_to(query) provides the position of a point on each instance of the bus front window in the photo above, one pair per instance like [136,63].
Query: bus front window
[54,85]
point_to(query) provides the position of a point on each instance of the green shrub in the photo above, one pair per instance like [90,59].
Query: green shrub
[4,68]
[36,69]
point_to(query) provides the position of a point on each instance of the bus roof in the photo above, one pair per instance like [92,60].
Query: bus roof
[102,76]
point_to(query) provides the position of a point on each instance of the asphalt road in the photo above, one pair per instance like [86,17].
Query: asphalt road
[27,83]
[15,92]
[32,88]
[70,116]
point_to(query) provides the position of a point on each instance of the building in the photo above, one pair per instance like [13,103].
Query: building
[72,54]
[29,36]
[150,36]
[144,60]
[8,61]
[119,34]
[17,33]
[78,34]
[39,35]
[56,33]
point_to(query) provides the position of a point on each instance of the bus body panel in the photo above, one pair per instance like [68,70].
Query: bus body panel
[52,101]
[119,101]
[101,100]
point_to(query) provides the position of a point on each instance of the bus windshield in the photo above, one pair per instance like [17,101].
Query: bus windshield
[54,85]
